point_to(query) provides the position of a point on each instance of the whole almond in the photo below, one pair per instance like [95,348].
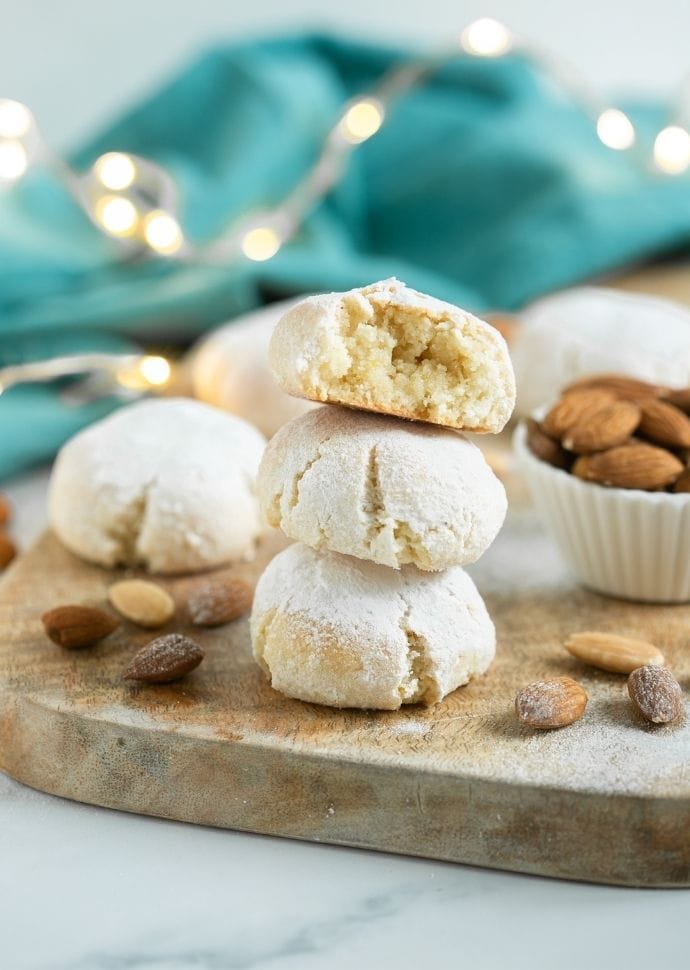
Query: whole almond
[682,484]
[627,388]
[8,550]
[655,694]
[680,399]
[611,652]
[551,703]
[545,448]
[665,424]
[633,465]
[575,407]
[165,659]
[5,510]
[606,428]
[142,602]
[75,627]
[217,601]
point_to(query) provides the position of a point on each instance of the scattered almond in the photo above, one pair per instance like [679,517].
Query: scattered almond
[680,399]
[634,465]
[544,447]
[8,550]
[75,627]
[5,510]
[575,407]
[628,388]
[217,601]
[143,602]
[611,652]
[551,703]
[611,425]
[655,694]
[665,424]
[165,659]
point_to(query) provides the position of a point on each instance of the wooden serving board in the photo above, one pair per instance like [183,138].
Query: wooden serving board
[607,799]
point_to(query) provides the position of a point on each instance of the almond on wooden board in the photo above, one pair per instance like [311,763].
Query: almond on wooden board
[545,448]
[628,388]
[165,659]
[655,694]
[609,651]
[607,427]
[8,550]
[575,407]
[633,465]
[75,627]
[213,602]
[143,602]
[665,424]
[553,703]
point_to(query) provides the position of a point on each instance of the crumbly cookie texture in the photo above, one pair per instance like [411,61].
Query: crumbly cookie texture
[389,349]
[168,485]
[334,630]
[378,488]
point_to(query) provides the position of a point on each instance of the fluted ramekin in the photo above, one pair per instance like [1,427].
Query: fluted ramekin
[622,542]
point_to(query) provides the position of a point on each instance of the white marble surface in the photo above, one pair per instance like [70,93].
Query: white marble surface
[83,888]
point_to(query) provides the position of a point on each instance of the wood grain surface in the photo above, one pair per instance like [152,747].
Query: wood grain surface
[607,799]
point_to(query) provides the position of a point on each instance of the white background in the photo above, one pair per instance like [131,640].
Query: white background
[77,62]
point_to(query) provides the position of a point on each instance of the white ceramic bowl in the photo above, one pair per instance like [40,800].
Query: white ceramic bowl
[623,542]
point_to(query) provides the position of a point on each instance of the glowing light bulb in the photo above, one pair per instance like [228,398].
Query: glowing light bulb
[155,370]
[261,243]
[13,160]
[115,171]
[15,119]
[162,232]
[117,216]
[615,129]
[362,120]
[486,37]
[672,150]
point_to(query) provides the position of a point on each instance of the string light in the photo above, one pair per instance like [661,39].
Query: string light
[116,215]
[14,160]
[615,129]
[261,243]
[486,37]
[155,370]
[163,233]
[672,150]
[115,170]
[362,120]
[15,119]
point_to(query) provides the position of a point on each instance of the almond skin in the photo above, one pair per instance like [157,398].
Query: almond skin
[218,601]
[633,465]
[575,407]
[8,550]
[627,388]
[142,602]
[683,483]
[608,651]
[665,424]
[680,399]
[655,694]
[165,659]
[549,704]
[76,627]
[545,448]
[5,510]
[608,427]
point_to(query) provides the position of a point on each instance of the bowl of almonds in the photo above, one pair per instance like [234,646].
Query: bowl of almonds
[608,466]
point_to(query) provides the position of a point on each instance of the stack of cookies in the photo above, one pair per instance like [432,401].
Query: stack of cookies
[370,607]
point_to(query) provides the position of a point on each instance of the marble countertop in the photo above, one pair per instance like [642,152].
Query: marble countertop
[83,888]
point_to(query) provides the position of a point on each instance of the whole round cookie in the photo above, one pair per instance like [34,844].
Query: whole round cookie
[334,630]
[379,488]
[590,330]
[165,484]
[389,349]
[229,368]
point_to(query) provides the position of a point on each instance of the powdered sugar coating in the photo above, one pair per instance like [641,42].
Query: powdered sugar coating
[167,484]
[335,630]
[382,489]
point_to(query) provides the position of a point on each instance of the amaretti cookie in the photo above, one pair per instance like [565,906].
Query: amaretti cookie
[335,630]
[378,488]
[389,349]
[166,484]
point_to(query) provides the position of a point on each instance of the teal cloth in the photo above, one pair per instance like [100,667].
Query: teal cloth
[487,186]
